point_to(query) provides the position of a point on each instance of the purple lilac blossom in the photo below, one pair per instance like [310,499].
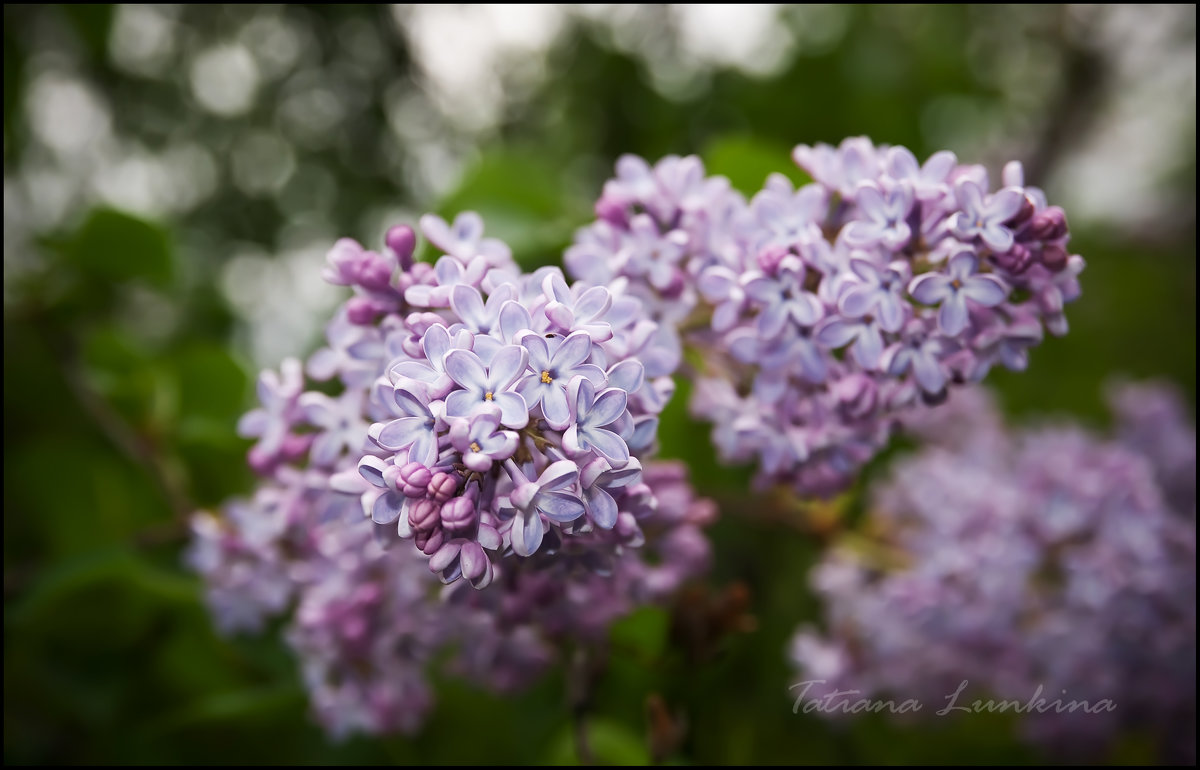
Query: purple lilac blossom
[492,432]
[913,277]
[1046,562]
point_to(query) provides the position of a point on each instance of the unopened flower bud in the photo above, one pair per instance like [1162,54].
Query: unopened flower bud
[442,486]
[402,241]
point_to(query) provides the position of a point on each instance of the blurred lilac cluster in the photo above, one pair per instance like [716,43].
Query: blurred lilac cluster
[498,423]
[1042,563]
[820,314]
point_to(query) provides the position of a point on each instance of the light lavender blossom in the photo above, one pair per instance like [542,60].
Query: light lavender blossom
[472,396]
[1037,566]
[913,276]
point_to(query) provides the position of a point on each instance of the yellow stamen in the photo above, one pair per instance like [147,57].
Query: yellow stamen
[474,446]
[487,396]
[546,378]
[956,283]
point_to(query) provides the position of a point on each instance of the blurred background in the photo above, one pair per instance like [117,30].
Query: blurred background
[173,176]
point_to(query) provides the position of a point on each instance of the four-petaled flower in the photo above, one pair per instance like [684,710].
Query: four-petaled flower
[488,384]
[431,373]
[389,502]
[464,239]
[723,288]
[416,429]
[920,354]
[928,181]
[271,422]
[784,298]
[552,369]
[449,273]
[954,287]
[468,304]
[884,216]
[835,332]
[597,478]
[587,312]
[650,253]
[592,412]
[878,290]
[789,219]
[530,500]
[340,420]
[983,215]
[480,439]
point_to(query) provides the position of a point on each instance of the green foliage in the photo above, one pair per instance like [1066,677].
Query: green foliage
[748,161]
[524,200]
[115,427]
[114,246]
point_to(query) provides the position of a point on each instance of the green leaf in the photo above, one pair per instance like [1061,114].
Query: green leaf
[643,633]
[230,707]
[115,246]
[122,372]
[609,742]
[748,161]
[112,566]
[211,382]
[523,201]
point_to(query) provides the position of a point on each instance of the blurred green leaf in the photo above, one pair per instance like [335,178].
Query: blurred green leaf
[92,21]
[748,161]
[609,742]
[230,707]
[115,246]
[211,382]
[524,202]
[643,633]
[122,372]
[113,566]
[78,494]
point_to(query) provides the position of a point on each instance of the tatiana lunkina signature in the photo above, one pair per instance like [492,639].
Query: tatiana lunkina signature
[849,702]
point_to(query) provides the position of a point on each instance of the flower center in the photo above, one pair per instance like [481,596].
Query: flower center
[475,446]
[956,284]
[546,378]
[487,396]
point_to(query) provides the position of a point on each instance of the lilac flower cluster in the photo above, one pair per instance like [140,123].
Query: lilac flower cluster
[1044,563]
[500,423]
[821,314]
[489,411]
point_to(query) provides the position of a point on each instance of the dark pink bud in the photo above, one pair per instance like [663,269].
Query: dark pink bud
[1049,225]
[402,241]
[261,462]
[442,486]
[360,311]
[375,273]
[296,445]
[432,543]
[424,516]
[458,515]
[414,479]
[611,210]
[1054,257]
[1017,260]
[770,258]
